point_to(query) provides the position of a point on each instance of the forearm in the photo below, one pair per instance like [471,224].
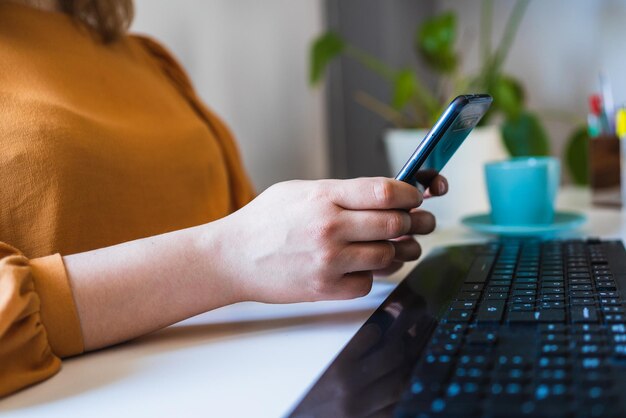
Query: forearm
[130,289]
[298,241]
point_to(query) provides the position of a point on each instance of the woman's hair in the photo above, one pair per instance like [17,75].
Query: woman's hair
[109,19]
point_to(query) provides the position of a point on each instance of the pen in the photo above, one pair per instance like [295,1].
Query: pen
[608,107]
[620,123]
[594,126]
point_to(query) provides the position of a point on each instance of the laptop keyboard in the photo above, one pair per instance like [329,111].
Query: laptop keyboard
[537,329]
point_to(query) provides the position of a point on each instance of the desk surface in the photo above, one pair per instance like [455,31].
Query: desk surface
[239,361]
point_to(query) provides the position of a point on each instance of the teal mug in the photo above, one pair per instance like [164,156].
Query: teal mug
[522,190]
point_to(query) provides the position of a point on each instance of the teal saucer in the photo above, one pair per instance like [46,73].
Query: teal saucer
[563,221]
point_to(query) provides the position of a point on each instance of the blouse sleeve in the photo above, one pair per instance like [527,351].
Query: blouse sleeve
[38,319]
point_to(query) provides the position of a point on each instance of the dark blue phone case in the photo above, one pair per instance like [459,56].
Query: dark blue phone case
[442,141]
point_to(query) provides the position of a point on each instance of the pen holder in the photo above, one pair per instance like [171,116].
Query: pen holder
[606,171]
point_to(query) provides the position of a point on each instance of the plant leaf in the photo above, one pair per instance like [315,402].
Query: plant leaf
[404,88]
[508,96]
[324,49]
[524,135]
[576,156]
[435,42]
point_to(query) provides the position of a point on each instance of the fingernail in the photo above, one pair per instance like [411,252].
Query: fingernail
[443,186]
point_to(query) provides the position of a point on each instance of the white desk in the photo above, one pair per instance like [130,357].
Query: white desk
[247,360]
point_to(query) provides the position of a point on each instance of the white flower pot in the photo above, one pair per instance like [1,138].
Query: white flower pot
[465,171]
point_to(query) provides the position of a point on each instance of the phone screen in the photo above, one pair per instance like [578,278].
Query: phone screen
[444,139]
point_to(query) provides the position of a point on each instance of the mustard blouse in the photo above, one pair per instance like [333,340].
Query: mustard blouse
[99,144]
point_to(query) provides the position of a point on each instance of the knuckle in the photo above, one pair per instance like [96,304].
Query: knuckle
[396,224]
[383,192]
[386,255]
[318,192]
[327,257]
[325,230]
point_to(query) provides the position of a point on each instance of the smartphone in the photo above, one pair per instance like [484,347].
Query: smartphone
[442,141]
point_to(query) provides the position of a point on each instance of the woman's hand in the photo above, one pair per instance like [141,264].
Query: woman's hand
[315,240]
[298,241]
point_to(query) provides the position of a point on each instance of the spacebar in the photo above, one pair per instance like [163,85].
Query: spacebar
[480,269]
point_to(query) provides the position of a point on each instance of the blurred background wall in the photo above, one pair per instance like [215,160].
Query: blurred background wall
[249,61]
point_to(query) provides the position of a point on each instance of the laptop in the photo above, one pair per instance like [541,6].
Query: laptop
[510,328]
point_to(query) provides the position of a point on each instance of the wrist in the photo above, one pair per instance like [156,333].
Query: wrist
[212,251]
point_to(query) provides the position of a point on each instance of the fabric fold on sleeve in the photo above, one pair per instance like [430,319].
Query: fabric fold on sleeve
[27,348]
[58,309]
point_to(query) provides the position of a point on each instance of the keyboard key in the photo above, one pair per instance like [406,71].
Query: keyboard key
[469,296]
[552,328]
[525,286]
[521,317]
[554,376]
[583,301]
[552,284]
[490,311]
[610,301]
[522,307]
[554,362]
[463,305]
[552,298]
[526,280]
[552,305]
[552,291]
[523,299]
[472,287]
[619,351]
[581,294]
[458,315]
[610,318]
[480,337]
[496,296]
[581,339]
[554,338]
[500,282]
[479,270]
[583,314]
[523,293]
[588,328]
[554,349]
[548,278]
[551,315]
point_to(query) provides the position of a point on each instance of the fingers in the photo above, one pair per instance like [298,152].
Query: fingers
[437,187]
[360,260]
[406,249]
[366,256]
[352,285]
[422,222]
[379,255]
[374,193]
[395,266]
[375,225]
[378,225]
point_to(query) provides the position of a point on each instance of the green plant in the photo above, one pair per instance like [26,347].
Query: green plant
[413,105]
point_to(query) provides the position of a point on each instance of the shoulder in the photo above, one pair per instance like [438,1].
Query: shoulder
[164,58]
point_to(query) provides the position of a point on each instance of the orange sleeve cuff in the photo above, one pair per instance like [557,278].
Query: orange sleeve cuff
[58,309]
